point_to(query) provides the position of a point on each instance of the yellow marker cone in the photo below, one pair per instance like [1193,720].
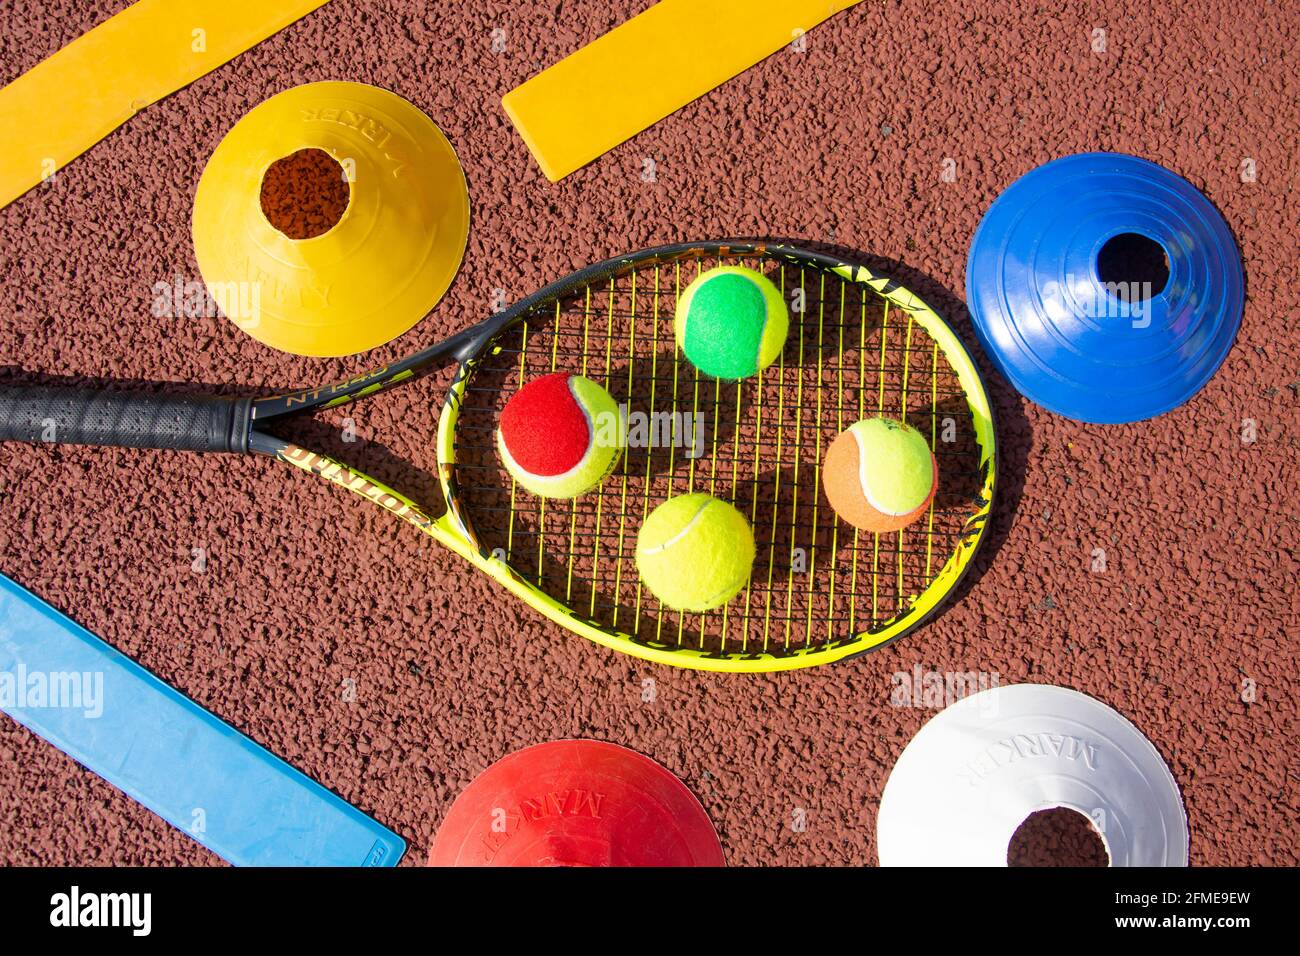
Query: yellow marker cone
[380,268]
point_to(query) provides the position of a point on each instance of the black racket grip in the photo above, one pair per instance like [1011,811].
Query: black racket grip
[84,416]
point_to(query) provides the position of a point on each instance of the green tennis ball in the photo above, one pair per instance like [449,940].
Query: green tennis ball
[879,475]
[731,322]
[695,552]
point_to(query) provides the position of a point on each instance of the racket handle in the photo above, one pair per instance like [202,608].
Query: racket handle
[84,416]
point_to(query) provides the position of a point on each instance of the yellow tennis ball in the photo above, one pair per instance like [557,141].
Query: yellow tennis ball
[731,322]
[695,552]
[879,474]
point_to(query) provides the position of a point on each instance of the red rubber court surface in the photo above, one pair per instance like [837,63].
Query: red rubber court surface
[1151,565]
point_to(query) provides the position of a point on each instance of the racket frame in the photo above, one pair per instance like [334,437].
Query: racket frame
[452,530]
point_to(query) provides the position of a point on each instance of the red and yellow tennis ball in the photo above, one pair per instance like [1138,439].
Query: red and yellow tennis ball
[880,475]
[731,322]
[695,552]
[558,435]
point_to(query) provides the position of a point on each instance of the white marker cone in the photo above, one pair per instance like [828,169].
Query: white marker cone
[971,776]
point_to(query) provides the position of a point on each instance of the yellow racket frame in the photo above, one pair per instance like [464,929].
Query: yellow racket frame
[453,531]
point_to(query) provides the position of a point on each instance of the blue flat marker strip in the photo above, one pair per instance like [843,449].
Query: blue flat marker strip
[156,745]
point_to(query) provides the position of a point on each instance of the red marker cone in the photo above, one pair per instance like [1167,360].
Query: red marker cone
[576,803]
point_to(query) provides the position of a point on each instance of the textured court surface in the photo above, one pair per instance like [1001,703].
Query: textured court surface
[1153,565]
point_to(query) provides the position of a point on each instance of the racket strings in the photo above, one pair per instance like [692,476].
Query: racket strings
[758,443]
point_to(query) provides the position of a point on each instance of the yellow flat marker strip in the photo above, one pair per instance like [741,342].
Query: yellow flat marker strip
[650,66]
[70,101]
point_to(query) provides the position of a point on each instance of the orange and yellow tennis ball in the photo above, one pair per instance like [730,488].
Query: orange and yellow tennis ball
[559,435]
[880,475]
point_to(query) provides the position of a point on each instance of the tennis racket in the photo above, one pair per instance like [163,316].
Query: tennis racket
[859,345]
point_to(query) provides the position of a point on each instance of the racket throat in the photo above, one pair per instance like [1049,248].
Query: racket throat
[358,483]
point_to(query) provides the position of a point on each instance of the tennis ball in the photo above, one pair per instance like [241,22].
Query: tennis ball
[695,552]
[880,475]
[559,435]
[731,322]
